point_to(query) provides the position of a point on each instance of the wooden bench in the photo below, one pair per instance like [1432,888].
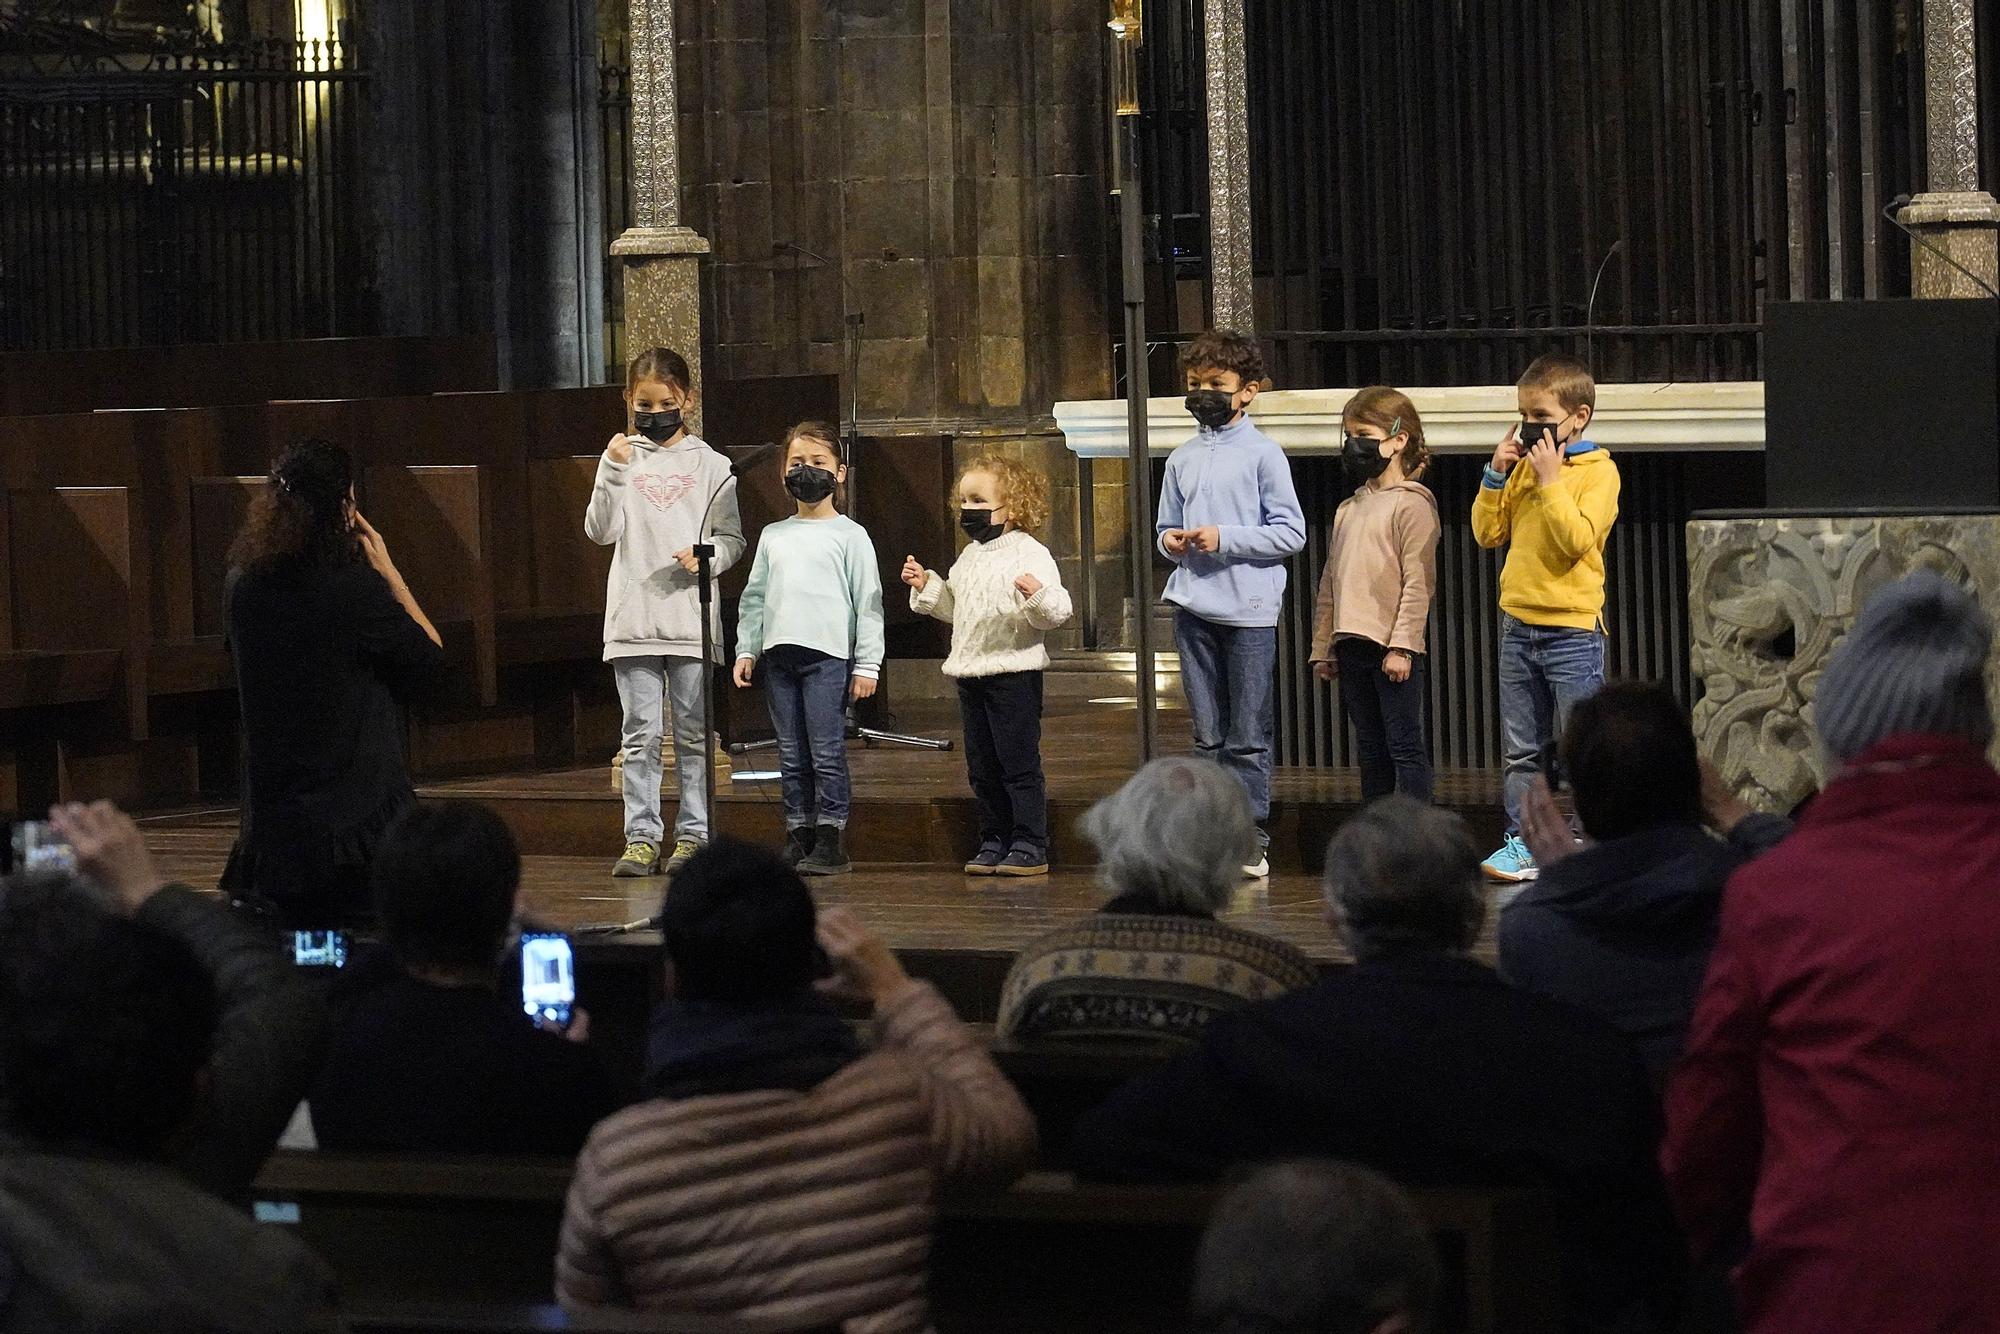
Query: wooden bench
[1051,1252]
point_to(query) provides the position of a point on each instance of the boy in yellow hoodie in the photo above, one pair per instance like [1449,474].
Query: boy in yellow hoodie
[1550,496]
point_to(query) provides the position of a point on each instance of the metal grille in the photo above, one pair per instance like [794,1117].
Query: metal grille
[1645,610]
[209,196]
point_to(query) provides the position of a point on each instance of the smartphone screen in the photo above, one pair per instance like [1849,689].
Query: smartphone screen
[548,977]
[319,949]
[37,847]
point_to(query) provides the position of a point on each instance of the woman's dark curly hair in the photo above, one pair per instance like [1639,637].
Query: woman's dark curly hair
[302,514]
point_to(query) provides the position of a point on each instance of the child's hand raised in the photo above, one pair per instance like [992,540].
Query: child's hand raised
[863,688]
[620,449]
[744,668]
[1509,452]
[1546,458]
[913,572]
[1027,585]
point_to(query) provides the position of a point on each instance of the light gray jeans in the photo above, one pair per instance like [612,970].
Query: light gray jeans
[646,687]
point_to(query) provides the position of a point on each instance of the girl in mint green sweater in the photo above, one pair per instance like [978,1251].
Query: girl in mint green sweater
[812,612]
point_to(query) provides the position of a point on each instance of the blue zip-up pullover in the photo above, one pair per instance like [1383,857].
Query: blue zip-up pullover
[1239,480]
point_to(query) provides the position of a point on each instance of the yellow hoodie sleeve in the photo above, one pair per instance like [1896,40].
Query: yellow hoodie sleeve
[1493,514]
[1577,517]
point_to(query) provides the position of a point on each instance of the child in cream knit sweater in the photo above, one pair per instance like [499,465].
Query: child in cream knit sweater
[1004,593]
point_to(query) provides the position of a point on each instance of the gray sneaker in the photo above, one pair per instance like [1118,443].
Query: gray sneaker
[684,851]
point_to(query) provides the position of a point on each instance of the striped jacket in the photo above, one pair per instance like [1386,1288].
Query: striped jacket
[800,1209]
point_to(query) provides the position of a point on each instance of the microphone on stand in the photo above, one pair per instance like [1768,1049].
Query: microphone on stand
[753,458]
[1889,211]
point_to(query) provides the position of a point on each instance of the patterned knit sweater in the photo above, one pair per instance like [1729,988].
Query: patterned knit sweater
[993,628]
[1138,974]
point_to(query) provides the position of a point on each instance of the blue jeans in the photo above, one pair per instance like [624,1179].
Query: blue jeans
[646,688]
[1545,671]
[1229,673]
[808,694]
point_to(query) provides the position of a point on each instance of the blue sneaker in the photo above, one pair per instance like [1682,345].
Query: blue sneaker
[1512,864]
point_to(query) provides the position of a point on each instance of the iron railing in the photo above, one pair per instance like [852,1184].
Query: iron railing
[197,196]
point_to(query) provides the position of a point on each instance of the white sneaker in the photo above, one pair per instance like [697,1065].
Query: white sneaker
[1261,868]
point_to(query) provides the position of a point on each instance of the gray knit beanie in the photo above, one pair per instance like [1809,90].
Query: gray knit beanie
[1915,661]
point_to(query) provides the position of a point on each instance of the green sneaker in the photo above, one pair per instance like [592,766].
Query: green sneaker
[684,851]
[641,858]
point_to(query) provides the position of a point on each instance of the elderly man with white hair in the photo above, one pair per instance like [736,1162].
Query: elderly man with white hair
[1154,963]
[1420,1062]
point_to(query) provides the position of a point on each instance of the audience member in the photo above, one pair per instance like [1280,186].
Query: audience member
[1315,1247]
[109,1025]
[270,1029]
[328,642]
[428,1053]
[1155,963]
[778,1171]
[1421,1063]
[1622,926]
[1839,1086]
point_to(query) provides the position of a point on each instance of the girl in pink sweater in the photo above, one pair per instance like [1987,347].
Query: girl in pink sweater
[1375,597]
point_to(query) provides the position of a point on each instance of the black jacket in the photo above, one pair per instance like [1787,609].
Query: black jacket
[1623,929]
[414,1067]
[268,1040]
[1433,1070]
[325,659]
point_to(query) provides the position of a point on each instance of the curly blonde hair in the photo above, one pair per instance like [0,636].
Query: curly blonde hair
[1025,492]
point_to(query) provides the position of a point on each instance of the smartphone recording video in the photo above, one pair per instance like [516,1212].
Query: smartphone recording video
[33,846]
[319,949]
[548,977]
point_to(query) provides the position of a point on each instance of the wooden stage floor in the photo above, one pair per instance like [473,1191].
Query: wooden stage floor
[912,827]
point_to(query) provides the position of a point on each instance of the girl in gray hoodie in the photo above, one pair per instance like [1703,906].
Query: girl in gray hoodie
[654,485]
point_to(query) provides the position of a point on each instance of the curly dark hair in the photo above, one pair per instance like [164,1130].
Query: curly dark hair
[303,512]
[1226,350]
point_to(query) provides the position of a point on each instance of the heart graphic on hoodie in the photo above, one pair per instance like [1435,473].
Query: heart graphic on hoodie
[663,490]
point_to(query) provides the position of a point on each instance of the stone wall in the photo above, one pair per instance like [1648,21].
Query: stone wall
[947,156]
[1769,598]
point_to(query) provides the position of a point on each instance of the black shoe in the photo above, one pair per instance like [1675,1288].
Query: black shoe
[1023,861]
[984,860]
[798,845]
[828,856]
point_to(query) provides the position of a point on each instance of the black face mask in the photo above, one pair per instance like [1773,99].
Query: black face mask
[1362,459]
[1532,433]
[809,484]
[979,525]
[657,426]
[1211,407]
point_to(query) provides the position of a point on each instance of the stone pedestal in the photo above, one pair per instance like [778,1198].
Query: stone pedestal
[1965,226]
[663,295]
[1769,597]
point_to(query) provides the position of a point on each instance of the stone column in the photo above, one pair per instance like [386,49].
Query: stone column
[1229,287]
[662,257]
[1953,214]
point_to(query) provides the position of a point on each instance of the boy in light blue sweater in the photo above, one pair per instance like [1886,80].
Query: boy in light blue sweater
[812,612]
[1229,518]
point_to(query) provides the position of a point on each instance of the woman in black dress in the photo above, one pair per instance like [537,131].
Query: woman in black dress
[328,642]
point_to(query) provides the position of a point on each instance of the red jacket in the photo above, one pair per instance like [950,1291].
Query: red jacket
[1841,1082]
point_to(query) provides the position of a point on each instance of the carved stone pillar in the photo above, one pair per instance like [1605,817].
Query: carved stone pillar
[1953,214]
[1230,293]
[662,257]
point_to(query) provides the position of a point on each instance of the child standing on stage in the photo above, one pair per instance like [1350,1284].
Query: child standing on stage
[1229,518]
[1004,593]
[1557,512]
[653,486]
[1374,600]
[813,612]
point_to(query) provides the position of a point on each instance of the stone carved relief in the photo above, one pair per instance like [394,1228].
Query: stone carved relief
[1768,600]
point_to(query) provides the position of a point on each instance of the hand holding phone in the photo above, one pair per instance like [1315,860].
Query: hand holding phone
[548,978]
